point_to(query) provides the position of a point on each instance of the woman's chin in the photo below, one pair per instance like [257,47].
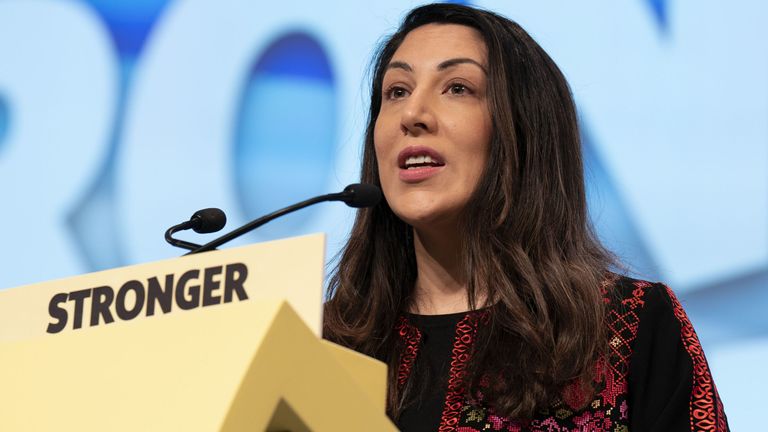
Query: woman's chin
[428,219]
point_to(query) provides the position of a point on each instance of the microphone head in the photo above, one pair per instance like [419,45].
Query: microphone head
[208,220]
[360,195]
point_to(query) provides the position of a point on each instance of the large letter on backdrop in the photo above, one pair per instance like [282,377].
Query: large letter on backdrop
[60,113]
[176,155]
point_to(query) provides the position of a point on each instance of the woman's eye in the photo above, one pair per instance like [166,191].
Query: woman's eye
[396,93]
[458,89]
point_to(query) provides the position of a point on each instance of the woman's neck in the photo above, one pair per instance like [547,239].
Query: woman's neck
[441,283]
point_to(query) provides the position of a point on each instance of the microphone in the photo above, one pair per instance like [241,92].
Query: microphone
[356,195]
[359,195]
[202,222]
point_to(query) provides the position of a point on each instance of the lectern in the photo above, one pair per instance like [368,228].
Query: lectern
[221,341]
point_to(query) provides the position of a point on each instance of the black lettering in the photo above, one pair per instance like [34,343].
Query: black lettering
[56,311]
[120,304]
[156,293]
[194,291]
[79,297]
[236,274]
[102,299]
[210,285]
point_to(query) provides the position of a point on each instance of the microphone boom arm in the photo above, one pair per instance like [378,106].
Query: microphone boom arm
[250,226]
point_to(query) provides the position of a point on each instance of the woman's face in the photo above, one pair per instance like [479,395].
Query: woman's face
[433,130]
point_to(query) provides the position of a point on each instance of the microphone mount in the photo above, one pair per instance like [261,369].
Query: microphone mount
[355,195]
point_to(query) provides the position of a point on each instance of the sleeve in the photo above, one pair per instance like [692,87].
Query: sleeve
[670,384]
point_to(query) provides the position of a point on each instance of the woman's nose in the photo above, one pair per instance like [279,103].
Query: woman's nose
[418,116]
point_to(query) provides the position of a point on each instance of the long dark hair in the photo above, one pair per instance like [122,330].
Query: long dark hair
[527,240]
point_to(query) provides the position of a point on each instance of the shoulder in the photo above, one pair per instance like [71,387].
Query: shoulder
[647,310]
[625,294]
[640,310]
[670,385]
[653,304]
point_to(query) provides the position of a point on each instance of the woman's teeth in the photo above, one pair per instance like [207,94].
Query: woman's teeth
[419,161]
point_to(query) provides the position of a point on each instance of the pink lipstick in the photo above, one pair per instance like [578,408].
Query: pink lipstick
[418,163]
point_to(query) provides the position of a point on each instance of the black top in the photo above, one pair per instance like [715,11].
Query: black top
[437,334]
[654,376]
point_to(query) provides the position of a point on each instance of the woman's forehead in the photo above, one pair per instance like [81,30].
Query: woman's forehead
[436,43]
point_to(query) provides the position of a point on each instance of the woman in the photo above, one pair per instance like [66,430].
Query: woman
[479,280]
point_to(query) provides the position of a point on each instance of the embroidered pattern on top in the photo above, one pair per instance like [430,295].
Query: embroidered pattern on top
[466,330]
[609,411]
[411,336]
[706,409]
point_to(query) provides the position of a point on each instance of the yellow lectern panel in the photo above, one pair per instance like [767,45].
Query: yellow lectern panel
[290,269]
[227,369]
[200,343]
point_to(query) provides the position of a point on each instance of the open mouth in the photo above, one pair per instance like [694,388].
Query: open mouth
[416,157]
[421,161]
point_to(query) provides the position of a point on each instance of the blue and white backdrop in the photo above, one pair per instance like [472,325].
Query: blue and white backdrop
[121,118]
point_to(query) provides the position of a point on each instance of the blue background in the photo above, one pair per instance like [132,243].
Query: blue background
[252,107]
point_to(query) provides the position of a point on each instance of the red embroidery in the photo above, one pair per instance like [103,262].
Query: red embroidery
[411,336]
[706,409]
[466,330]
[623,325]
[609,410]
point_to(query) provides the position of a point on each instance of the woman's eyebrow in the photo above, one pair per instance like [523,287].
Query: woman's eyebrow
[400,65]
[457,61]
[446,64]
